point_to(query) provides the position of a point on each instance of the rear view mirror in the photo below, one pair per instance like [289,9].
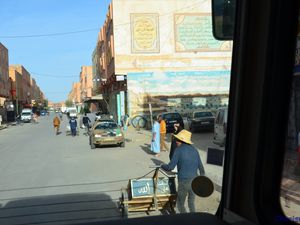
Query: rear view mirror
[223,13]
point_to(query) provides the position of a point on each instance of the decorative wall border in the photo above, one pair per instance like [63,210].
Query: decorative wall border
[136,42]
[179,47]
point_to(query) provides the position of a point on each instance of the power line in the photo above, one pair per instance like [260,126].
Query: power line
[50,34]
[87,30]
[53,75]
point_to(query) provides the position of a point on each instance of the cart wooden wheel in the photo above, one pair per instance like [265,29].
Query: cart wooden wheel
[123,205]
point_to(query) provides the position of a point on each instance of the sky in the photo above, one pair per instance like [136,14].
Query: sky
[54,61]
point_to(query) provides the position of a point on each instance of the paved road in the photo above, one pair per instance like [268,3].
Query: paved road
[49,179]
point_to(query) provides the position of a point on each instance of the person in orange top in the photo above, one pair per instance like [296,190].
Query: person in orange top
[56,124]
[163,131]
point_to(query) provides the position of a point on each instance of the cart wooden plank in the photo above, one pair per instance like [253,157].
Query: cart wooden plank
[140,201]
[141,188]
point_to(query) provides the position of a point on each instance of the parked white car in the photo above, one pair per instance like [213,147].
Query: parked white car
[26,115]
[220,127]
[72,113]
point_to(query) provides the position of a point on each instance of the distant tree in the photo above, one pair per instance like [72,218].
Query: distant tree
[69,103]
[46,103]
[81,111]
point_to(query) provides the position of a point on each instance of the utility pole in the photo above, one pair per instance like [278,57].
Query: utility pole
[17,98]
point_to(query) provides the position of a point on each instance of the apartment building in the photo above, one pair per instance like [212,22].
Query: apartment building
[149,53]
[86,83]
[24,89]
[75,94]
[4,77]
[26,83]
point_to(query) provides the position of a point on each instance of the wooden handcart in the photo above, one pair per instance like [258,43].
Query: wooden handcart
[149,193]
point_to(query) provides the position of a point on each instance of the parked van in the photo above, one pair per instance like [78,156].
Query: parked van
[220,127]
[26,115]
[72,112]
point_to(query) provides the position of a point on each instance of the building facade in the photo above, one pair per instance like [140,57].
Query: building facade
[24,90]
[86,83]
[4,78]
[75,94]
[155,52]
[26,83]
[18,96]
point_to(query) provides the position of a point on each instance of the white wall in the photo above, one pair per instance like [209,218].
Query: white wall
[165,57]
[159,64]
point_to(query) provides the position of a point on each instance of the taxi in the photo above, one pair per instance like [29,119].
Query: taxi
[106,132]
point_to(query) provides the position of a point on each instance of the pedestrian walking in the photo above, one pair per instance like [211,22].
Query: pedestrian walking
[73,126]
[155,141]
[188,162]
[86,122]
[35,118]
[60,115]
[56,124]
[163,131]
[177,129]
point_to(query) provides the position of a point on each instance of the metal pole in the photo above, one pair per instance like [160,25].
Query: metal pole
[17,97]
[151,116]
[155,177]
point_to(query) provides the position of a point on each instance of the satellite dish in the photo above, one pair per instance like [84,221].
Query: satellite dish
[202,186]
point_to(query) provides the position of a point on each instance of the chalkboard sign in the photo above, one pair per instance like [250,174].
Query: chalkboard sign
[142,188]
[215,156]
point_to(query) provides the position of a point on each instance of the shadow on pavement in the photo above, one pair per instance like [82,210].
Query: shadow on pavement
[146,148]
[108,146]
[157,161]
[59,209]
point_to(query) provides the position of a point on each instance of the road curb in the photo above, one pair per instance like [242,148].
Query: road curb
[3,127]
[218,187]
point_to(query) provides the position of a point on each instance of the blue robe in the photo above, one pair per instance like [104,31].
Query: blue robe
[155,145]
[73,126]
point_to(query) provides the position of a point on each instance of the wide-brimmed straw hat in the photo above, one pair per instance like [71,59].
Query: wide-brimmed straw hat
[184,136]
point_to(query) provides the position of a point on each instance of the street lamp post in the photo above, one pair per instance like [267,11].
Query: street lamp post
[17,98]
[28,94]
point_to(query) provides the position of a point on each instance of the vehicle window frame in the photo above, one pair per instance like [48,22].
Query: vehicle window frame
[171,116]
[26,113]
[206,114]
[220,117]
[257,75]
[98,124]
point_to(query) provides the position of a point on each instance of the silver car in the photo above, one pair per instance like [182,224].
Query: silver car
[220,127]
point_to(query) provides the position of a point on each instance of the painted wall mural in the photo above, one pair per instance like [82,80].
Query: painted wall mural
[144,33]
[193,32]
[163,88]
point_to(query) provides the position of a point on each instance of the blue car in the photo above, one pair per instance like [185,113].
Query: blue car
[43,113]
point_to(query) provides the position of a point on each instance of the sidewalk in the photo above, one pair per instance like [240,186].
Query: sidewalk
[215,173]
[3,126]
[7,124]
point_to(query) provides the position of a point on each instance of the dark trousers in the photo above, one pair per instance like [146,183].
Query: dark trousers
[87,128]
[73,131]
[185,190]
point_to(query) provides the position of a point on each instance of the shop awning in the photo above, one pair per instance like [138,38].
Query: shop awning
[95,98]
